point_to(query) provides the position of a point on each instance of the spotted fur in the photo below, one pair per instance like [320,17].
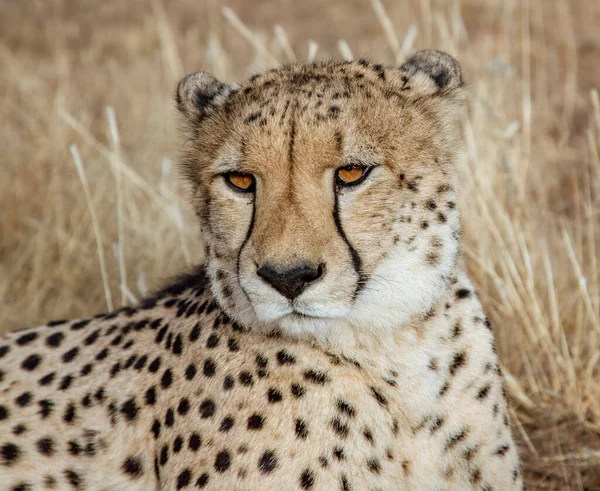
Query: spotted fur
[379,374]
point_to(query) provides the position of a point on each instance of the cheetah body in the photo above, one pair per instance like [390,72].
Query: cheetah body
[187,390]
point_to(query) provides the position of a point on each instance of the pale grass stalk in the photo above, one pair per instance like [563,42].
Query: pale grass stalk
[523,433]
[388,29]
[95,225]
[526,103]
[249,36]
[116,162]
[284,42]
[162,198]
[128,294]
[345,50]
[313,48]
[570,69]
[169,51]
[409,40]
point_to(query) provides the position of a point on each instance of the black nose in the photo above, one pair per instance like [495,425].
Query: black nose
[293,281]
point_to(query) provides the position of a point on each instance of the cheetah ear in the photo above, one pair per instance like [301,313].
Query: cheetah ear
[431,72]
[198,92]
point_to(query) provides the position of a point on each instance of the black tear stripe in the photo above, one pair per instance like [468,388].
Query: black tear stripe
[356,260]
[246,239]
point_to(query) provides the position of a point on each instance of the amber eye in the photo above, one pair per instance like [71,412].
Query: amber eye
[241,181]
[351,175]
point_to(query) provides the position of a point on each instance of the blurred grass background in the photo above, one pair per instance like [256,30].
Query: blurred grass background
[91,82]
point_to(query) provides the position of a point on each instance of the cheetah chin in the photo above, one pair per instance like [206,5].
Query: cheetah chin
[331,340]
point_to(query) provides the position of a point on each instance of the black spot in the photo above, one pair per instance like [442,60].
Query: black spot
[46,407]
[3,350]
[457,361]
[246,378]
[209,368]
[463,293]
[47,379]
[274,395]
[501,450]
[202,481]
[178,345]
[233,344]
[141,362]
[190,371]
[379,397]
[129,409]
[65,383]
[207,408]
[195,333]
[301,430]
[267,462]
[24,399]
[31,362]
[226,424]
[45,446]
[339,427]
[297,390]
[116,368]
[431,205]
[86,369]
[228,382]
[183,407]
[73,478]
[19,429]
[222,461]
[177,444]
[170,418]
[92,338]
[10,453]
[285,358]
[307,479]
[27,338]
[374,466]
[167,379]
[346,408]
[212,341]
[454,439]
[194,442]
[133,466]
[156,428]
[368,434]
[164,454]
[483,392]
[79,325]
[74,448]
[316,377]
[102,354]
[255,422]
[70,413]
[338,453]
[184,478]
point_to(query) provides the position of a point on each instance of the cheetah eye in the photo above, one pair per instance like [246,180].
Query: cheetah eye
[351,175]
[241,181]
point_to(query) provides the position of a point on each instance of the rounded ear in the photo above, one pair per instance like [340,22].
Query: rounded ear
[198,92]
[431,72]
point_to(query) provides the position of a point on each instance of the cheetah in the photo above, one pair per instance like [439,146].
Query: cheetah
[330,340]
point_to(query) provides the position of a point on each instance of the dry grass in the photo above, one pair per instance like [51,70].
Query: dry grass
[531,168]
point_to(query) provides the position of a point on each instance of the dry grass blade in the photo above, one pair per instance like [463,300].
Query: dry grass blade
[97,234]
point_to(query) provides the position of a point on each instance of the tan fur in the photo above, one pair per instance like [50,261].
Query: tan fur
[380,375]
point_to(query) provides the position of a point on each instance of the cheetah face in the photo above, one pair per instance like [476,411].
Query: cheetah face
[326,193]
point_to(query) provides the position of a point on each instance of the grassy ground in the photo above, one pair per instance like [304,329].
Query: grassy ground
[531,170]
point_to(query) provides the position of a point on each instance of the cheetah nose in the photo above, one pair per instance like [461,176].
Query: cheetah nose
[291,282]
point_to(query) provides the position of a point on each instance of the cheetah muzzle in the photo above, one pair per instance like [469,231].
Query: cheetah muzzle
[331,340]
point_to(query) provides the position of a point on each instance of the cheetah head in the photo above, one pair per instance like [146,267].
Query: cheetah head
[326,192]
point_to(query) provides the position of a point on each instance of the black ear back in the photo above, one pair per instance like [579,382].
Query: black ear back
[199,91]
[429,72]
